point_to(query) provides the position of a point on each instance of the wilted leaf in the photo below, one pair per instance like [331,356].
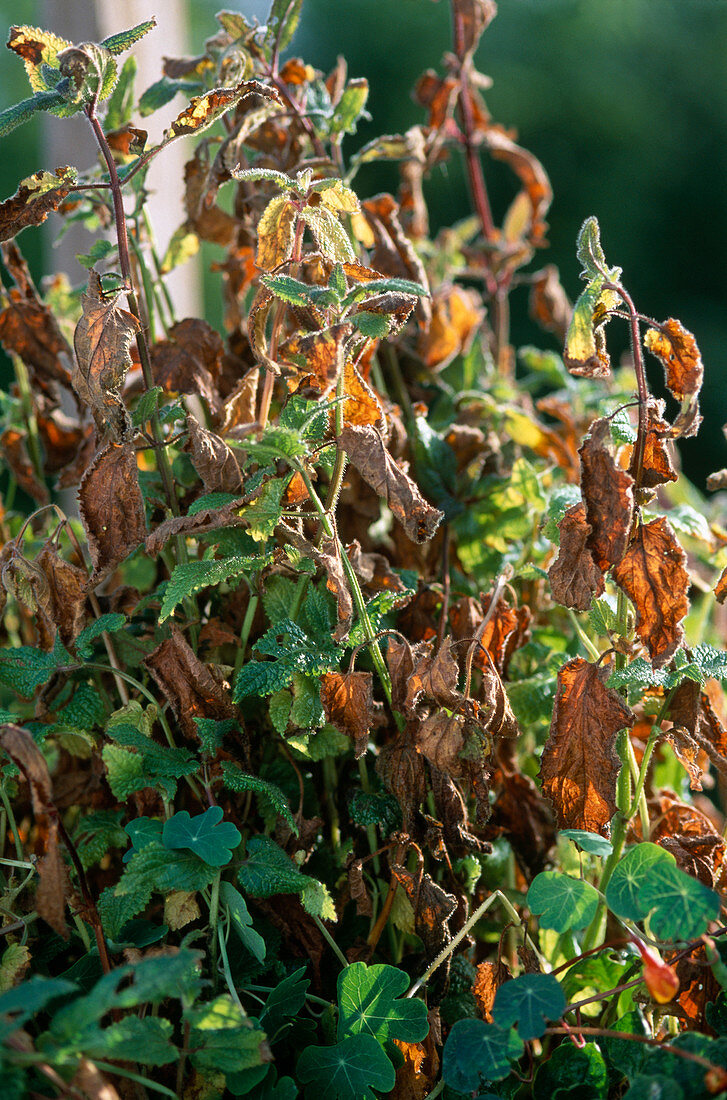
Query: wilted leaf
[189,685]
[549,304]
[50,898]
[574,577]
[393,252]
[67,585]
[456,316]
[29,329]
[213,460]
[189,361]
[317,355]
[652,573]
[36,197]
[580,766]
[433,908]
[180,909]
[434,675]
[657,466]
[677,351]
[368,454]
[608,497]
[276,231]
[205,109]
[328,558]
[585,343]
[347,699]
[531,174]
[12,444]
[38,48]
[474,17]
[401,769]
[102,339]
[112,508]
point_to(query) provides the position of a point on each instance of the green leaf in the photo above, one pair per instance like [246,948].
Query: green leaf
[476,1052]
[156,868]
[222,1039]
[96,833]
[369,1004]
[284,1003]
[263,514]
[21,1003]
[623,893]
[592,843]
[133,1039]
[282,22]
[562,902]
[289,289]
[162,91]
[621,428]
[242,921]
[146,406]
[591,254]
[109,623]
[374,326]
[329,234]
[207,835]
[193,576]
[315,897]
[124,40]
[120,104]
[602,617]
[98,252]
[268,870]
[279,709]
[19,113]
[572,1071]
[347,1071]
[350,106]
[237,780]
[529,1001]
[25,668]
[384,286]
[252,175]
[149,764]
[656,1087]
[375,809]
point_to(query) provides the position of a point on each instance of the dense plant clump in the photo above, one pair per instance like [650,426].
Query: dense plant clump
[361,675]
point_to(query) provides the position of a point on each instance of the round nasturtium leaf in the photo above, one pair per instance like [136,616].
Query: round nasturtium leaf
[476,1052]
[529,1001]
[561,901]
[624,893]
[347,1071]
[593,843]
[207,835]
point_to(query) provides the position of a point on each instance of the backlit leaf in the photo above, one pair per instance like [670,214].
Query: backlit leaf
[371,1003]
[575,578]
[561,901]
[653,575]
[608,496]
[579,766]
[347,699]
[112,508]
[124,40]
[38,48]
[37,196]
[676,349]
[193,576]
[276,231]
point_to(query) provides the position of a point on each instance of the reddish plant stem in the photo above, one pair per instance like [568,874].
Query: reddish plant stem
[608,1033]
[445,589]
[122,241]
[640,370]
[95,920]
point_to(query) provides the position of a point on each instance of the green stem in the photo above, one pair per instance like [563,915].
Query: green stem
[13,825]
[26,400]
[226,968]
[145,1081]
[245,631]
[370,829]
[330,941]
[214,920]
[592,650]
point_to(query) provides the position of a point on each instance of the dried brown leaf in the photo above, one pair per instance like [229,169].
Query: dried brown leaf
[317,355]
[67,587]
[209,519]
[441,738]
[720,589]
[402,772]
[51,895]
[489,978]
[653,575]
[368,454]
[433,907]
[574,577]
[27,583]
[531,174]
[580,766]
[657,467]
[328,558]
[608,496]
[678,353]
[357,888]
[12,444]
[475,17]
[393,252]
[549,304]
[36,197]
[189,361]
[433,675]
[102,340]
[112,508]
[523,815]
[30,330]
[214,461]
[348,702]
[373,571]
[188,685]
[416,1075]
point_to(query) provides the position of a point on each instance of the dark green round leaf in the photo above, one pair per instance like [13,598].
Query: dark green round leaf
[369,1005]
[577,1071]
[529,1001]
[476,1052]
[207,835]
[592,843]
[682,907]
[562,902]
[347,1071]
[624,893]
[654,1088]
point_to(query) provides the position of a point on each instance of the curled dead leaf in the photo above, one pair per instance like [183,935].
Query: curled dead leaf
[214,461]
[112,508]
[653,575]
[348,702]
[457,314]
[677,351]
[580,765]
[575,578]
[608,496]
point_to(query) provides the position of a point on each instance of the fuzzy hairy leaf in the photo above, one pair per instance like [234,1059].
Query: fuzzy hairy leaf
[234,778]
[193,576]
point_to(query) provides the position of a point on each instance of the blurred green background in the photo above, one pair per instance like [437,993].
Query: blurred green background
[624,101]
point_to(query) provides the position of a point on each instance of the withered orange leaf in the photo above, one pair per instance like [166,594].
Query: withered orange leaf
[691,708]
[29,329]
[190,360]
[493,714]
[653,575]
[102,339]
[205,109]
[357,888]
[720,589]
[475,16]
[51,896]
[400,662]
[416,1075]
[580,766]
[677,351]
[374,571]
[574,576]
[488,979]
[204,217]
[348,702]
[12,444]
[549,304]
[526,817]
[256,323]
[213,459]
[688,753]
[457,314]
[239,407]
[61,437]
[192,690]
[317,355]
[608,495]
[531,174]
[657,466]
[434,675]
[362,406]
[393,252]
[209,519]
[441,738]
[112,508]
[36,197]
[505,631]
[366,450]
[127,141]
